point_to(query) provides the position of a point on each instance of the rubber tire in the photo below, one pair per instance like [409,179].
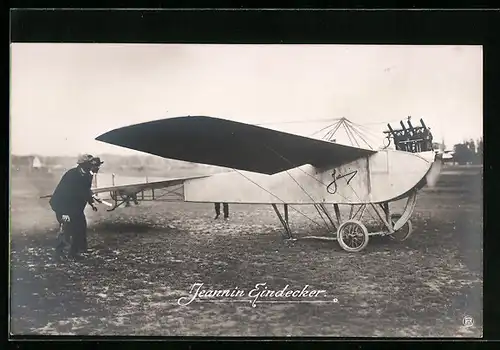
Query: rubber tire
[344,246]
[408,224]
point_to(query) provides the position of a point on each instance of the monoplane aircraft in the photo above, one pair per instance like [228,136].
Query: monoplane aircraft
[278,168]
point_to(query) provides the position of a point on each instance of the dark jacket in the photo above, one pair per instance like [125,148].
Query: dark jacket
[72,193]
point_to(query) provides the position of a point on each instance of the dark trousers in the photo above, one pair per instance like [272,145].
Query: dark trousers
[74,232]
[225,208]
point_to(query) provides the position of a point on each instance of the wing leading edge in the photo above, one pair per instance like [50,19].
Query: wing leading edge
[231,144]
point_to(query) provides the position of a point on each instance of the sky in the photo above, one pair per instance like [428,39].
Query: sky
[65,95]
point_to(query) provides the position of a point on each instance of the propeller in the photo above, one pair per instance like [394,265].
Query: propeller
[433,174]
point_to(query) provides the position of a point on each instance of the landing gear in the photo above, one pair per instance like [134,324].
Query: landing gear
[404,232]
[352,236]
[351,233]
[121,198]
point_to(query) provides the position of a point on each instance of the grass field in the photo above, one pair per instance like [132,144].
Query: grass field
[144,258]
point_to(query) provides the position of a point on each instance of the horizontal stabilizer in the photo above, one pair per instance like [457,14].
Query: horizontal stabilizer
[134,188]
[137,187]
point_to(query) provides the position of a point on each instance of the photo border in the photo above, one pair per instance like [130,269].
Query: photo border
[289,26]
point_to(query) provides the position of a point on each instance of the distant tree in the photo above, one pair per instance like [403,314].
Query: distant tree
[479,151]
[47,160]
[472,146]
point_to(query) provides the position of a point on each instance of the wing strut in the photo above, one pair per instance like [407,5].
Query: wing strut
[284,221]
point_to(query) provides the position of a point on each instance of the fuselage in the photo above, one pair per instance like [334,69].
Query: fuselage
[380,177]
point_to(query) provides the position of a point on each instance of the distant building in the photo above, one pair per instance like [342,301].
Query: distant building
[36,164]
[26,163]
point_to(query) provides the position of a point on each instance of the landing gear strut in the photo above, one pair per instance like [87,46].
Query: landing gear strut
[284,220]
[352,234]
[124,199]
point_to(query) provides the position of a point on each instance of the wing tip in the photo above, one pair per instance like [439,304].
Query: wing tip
[104,137]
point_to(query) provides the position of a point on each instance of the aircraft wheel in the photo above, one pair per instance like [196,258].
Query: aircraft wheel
[352,236]
[404,232]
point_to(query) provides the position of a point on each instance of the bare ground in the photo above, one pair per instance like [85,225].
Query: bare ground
[144,258]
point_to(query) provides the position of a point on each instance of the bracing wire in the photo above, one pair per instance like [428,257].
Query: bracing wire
[366,128]
[272,194]
[314,178]
[347,133]
[294,180]
[355,130]
[298,121]
[346,126]
[363,132]
[384,122]
[301,170]
[367,131]
[353,190]
[332,132]
[362,138]
[328,136]
[351,130]
[320,130]
[333,126]
[307,193]
[369,137]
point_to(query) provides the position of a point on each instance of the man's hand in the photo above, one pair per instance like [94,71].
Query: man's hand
[94,208]
[65,218]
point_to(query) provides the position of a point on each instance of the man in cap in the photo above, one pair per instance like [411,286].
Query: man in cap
[68,202]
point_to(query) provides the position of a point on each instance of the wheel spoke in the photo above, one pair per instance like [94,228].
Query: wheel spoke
[352,236]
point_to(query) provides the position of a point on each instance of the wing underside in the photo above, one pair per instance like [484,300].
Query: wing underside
[230,144]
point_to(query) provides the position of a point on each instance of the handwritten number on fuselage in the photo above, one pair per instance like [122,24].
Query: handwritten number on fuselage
[332,187]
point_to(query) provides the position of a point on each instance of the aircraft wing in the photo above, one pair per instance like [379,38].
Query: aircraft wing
[230,144]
